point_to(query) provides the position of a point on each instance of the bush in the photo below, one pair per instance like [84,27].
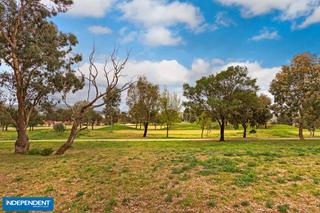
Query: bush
[43,152]
[46,151]
[253,131]
[34,151]
[59,127]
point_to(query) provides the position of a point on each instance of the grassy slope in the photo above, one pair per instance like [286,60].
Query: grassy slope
[178,131]
[180,176]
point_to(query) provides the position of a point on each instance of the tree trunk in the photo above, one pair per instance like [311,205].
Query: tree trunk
[155,126]
[222,129]
[22,142]
[244,130]
[136,125]
[92,126]
[301,137]
[202,129]
[72,136]
[146,124]
[266,125]
[140,126]
[167,131]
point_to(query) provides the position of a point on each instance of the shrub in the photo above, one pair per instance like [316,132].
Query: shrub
[253,131]
[43,152]
[34,151]
[59,127]
[46,151]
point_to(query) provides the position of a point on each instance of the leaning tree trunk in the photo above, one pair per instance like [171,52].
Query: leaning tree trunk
[71,138]
[222,126]
[146,124]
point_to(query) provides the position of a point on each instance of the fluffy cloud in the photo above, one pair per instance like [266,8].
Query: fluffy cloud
[152,13]
[91,8]
[266,34]
[160,36]
[100,30]
[164,72]
[158,17]
[290,9]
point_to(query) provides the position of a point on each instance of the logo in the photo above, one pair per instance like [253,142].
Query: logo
[27,204]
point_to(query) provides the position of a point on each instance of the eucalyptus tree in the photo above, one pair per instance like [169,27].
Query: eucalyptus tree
[170,106]
[143,101]
[37,57]
[216,94]
[293,88]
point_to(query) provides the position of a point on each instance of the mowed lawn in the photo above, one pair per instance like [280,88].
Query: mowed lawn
[276,176]
[182,130]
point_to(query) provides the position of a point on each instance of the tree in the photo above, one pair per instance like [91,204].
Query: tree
[100,92]
[170,106]
[112,108]
[142,100]
[294,86]
[5,117]
[216,94]
[204,121]
[244,112]
[92,117]
[37,55]
[35,119]
[263,113]
[312,114]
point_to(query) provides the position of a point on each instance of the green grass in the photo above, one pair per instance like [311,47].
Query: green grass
[176,176]
[182,130]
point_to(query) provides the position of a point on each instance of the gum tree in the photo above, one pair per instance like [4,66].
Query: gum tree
[294,86]
[37,57]
[216,94]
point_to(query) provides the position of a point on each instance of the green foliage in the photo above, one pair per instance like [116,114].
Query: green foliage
[42,152]
[246,179]
[218,93]
[296,91]
[59,127]
[170,106]
[283,208]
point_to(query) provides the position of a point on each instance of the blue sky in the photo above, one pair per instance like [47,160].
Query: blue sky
[173,42]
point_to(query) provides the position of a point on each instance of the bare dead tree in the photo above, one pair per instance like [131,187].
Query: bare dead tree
[112,76]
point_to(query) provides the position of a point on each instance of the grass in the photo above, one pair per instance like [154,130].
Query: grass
[173,176]
[182,130]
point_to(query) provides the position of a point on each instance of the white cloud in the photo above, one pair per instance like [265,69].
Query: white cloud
[156,18]
[152,13]
[90,8]
[164,72]
[312,19]
[160,36]
[127,36]
[266,34]
[100,30]
[289,9]
[222,20]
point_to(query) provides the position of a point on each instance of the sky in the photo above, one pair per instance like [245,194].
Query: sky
[178,41]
